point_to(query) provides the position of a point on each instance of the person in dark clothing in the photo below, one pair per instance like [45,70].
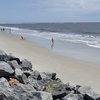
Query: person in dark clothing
[52,42]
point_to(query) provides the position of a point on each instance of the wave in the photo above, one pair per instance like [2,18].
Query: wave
[91,40]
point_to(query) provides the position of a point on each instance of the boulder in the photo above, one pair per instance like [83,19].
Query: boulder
[23,92]
[88,93]
[20,76]
[14,64]
[3,56]
[4,82]
[73,97]
[48,75]
[26,65]
[36,75]
[12,58]
[59,95]
[6,70]
[38,85]
[46,96]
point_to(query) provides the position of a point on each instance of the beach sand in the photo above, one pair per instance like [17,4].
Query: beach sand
[68,69]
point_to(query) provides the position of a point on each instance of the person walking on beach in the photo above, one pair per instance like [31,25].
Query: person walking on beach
[52,42]
[22,38]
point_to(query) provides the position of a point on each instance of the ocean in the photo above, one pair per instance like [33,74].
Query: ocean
[76,40]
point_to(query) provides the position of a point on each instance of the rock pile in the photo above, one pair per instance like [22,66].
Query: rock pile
[19,82]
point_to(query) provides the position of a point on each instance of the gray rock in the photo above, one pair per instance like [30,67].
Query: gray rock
[18,72]
[45,75]
[46,96]
[22,92]
[3,56]
[38,85]
[19,75]
[73,97]
[4,82]
[22,76]
[59,95]
[14,64]
[87,91]
[2,52]
[5,69]
[42,84]
[26,65]
[36,75]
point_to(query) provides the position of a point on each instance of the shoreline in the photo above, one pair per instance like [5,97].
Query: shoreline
[68,69]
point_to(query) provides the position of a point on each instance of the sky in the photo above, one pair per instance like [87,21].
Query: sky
[26,11]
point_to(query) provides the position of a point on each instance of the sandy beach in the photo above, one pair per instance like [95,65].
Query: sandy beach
[68,69]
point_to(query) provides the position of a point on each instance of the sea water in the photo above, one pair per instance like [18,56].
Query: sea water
[75,40]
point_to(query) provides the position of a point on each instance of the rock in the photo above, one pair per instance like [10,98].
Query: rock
[88,93]
[76,88]
[26,65]
[20,76]
[3,56]
[23,92]
[28,73]
[4,82]
[2,53]
[59,95]
[14,64]
[2,97]
[46,96]
[38,85]
[45,75]
[12,58]
[73,97]
[6,70]
[18,72]
[36,75]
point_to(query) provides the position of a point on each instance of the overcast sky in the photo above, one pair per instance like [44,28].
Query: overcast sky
[12,11]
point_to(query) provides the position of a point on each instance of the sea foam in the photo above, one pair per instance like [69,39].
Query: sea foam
[92,40]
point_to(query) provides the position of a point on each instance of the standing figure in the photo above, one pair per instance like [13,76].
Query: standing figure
[22,38]
[52,42]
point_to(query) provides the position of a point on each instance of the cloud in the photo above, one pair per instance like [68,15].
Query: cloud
[50,10]
[70,4]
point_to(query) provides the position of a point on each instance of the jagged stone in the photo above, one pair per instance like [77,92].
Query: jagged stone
[5,69]
[26,65]
[12,58]
[38,85]
[14,64]
[88,93]
[48,75]
[2,53]
[59,95]
[36,75]
[73,97]
[23,92]
[21,76]
[4,82]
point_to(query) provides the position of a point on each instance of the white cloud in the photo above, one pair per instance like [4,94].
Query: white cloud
[72,4]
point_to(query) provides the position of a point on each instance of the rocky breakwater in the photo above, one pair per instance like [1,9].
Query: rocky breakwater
[19,82]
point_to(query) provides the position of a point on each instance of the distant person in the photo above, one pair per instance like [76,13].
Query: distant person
[22,38]
[52,42]
[3,29]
